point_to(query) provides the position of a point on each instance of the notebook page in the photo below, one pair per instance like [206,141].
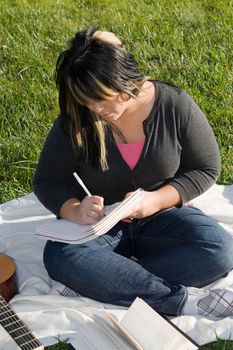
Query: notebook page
[66,231]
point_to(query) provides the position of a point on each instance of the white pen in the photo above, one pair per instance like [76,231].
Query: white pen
[82,184]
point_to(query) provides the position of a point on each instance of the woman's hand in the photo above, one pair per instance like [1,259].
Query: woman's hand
[152,202]
[148,205]
[89,211]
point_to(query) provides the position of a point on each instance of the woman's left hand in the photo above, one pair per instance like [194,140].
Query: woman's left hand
[152,202]
[148,205]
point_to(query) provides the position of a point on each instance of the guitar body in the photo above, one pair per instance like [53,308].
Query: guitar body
[8,287]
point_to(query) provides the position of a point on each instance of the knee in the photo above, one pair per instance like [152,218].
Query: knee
[226,249]
[214,241]
[222,250]
[60,258]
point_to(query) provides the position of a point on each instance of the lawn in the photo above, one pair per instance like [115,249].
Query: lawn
[186,42]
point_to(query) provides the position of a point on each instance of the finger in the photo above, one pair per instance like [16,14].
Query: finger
[102,213]
[98,200]
[91,203]
[91,221]
[97,208]
[128,194]
[94,215]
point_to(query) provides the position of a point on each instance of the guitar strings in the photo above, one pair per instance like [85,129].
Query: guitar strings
[16,328]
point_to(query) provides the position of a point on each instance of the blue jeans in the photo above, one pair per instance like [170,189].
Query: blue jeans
[177,248]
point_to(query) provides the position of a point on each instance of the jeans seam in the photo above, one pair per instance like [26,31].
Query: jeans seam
[112,243]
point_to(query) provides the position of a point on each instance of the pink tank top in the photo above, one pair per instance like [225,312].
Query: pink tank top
[131,152]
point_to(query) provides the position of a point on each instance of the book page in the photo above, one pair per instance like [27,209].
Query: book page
[124,332]
[151,330]
[141,328]
[100,334]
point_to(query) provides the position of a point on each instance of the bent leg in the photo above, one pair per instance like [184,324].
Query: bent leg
[96,269]
[184,246]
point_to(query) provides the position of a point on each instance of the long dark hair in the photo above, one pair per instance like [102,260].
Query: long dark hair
[94,66]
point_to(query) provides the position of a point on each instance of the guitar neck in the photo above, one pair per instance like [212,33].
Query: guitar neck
[19,332]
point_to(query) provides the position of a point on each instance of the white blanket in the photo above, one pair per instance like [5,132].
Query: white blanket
[51,315]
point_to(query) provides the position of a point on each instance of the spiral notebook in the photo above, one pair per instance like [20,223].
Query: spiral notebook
[68,232]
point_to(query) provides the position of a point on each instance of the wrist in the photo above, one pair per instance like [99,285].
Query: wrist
[69,210]
[158,201]
[167,197]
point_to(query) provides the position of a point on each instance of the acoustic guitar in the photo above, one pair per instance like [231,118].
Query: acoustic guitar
[16,328]
[18,331]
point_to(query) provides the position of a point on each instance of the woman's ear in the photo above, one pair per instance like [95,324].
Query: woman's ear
[123,97]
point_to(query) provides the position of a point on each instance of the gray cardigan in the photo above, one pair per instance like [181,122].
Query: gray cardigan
[180,149]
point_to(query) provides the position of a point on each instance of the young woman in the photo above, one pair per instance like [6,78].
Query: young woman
[120,131]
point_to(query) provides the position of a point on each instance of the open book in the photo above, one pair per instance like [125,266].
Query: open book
[68,232]
[141,328]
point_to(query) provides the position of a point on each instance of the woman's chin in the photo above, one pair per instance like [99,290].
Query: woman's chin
[110,117]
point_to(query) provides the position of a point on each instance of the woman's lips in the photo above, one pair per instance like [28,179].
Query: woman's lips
[106,114]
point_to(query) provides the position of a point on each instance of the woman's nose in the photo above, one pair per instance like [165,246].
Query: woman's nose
[98,107]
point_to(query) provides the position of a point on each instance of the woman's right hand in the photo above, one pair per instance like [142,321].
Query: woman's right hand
[89,211]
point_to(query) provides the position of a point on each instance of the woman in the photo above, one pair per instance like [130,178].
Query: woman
[120,131]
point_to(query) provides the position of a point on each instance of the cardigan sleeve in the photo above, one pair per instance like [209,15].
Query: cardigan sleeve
[53,175]
[200,162]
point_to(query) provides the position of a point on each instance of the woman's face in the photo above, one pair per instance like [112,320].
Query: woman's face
[112,109]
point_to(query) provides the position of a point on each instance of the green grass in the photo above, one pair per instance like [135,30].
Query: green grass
[217,345]
[186,42]
[59,345]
